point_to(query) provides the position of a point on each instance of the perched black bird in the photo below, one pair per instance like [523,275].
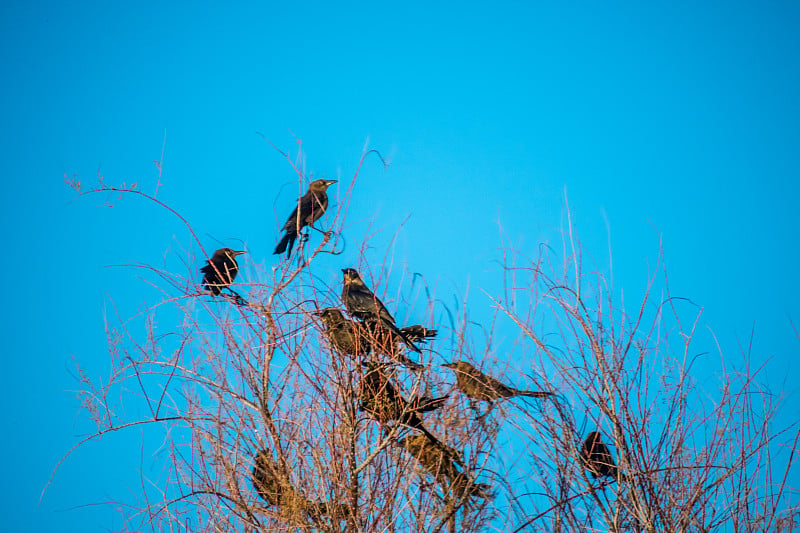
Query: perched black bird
[221,270]
[379,397]
[477,385]
[441,460]
[358,339]
[274,487]
[596,457]
[310,207]
[363,304]
[268,483]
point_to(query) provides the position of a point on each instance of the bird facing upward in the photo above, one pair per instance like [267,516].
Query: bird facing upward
[477,385]
[596,457]
[363,304]
[221,270]
[310,208]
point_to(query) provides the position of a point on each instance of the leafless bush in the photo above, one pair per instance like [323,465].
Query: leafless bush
[229,383]
[689,459]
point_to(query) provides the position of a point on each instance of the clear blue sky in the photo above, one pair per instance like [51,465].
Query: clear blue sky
[676,119]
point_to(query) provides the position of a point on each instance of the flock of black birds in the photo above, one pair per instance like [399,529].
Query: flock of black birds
[374,331]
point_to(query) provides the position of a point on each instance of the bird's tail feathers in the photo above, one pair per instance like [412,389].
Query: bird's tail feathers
[237,298]
[533,394]
[473,488]
[285,245]
[424,404]
[418,333]
[406,339]
[213,288]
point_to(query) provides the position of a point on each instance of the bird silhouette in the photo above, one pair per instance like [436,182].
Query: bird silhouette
[221,270]
[596,457]
[381,399]
[477,385]
[364,305]
[310,207]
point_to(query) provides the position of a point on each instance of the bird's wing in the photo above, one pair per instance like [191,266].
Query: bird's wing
[364,301]
[222,270]
[605,458]
[291,225]
[424,404]
[490,382]
[374,303]
[313,206]
[214,264]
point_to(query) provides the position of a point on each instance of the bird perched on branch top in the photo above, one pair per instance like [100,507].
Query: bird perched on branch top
[477,385]
[310,207]
[221,270]
[358,339]
[596,457]
[363,304]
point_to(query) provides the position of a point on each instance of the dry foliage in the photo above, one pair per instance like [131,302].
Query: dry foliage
[228,383]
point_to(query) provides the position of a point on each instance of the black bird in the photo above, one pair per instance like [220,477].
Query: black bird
[358,339]
[221,270]
[440,460]
[310,207]
[381,399]
[267,481]
[275,488]
[363,304]
[477,385]
[596,457]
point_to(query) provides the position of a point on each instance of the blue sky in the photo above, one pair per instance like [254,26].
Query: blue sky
[675,120]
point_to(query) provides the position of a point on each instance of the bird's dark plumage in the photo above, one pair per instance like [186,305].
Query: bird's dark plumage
[441,460]
[275,488]
[221,270]
[359,338]
[310,207]
[267,479]
[417,333]
[596,457]
[386,340]
[381,399]
[346,336]
[477,385]
[363,304]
